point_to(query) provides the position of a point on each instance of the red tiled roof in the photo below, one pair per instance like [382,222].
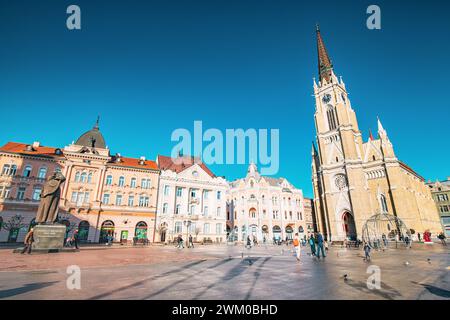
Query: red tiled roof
[132,162]
[21,148]
[167,163]
[408,168]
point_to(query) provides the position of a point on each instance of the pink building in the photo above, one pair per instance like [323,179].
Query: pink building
[104,195]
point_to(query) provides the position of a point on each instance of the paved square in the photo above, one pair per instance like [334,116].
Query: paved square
[226,272]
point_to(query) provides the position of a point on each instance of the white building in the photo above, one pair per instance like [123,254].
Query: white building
[191,200]
[268,208]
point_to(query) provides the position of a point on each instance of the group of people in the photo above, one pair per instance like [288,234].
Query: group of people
[180,242]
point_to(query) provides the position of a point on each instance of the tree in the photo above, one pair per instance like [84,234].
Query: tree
[14,224]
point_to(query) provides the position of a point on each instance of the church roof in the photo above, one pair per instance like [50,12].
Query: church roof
[92,138]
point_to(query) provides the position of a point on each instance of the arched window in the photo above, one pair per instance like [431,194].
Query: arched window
[27,171]
[384,206]
[6,169]
[84,177]
[121,181]
[109,180]
[83,230]
[133,183]
[331,115]
[13,170]
[77,176]
[140,231]
[42,173]
[89,178]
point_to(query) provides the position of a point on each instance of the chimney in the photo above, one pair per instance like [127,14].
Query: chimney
[36,144]
[142,160]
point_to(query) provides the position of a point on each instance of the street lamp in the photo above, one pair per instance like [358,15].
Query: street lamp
[187,223]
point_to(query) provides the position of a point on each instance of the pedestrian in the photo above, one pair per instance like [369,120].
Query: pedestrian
[367,249]
[320,246]
[29,239]
[442,237]
[191,242]
[418,236]
[312,244]
[297,247]
[75,239]
[384,240]
[180,242]
[249,242]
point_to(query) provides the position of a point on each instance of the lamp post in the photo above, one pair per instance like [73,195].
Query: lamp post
[187,223]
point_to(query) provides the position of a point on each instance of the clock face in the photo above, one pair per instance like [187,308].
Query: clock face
[340,181]
[326,98]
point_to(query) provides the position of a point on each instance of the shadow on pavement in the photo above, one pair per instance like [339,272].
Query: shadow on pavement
[435,290]
[24,289]
[386,291]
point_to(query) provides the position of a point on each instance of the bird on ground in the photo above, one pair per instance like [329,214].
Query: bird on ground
[345,277]
[407,263]
[429,260]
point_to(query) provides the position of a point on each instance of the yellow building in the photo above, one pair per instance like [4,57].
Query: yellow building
[353,180]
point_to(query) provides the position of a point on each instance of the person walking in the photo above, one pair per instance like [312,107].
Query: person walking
[297,248]
[383,237]
[442,237]
[367,249]
[418,237]
[29,239]
[180,242]
[191,242]
[320,246]
[75,239]
[312,244]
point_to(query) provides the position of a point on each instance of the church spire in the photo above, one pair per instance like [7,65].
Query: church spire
[325,65]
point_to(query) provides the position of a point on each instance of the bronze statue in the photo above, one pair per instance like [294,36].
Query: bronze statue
[48,207]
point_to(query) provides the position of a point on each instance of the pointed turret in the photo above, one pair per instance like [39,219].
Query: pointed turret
[325,65]
[381,131]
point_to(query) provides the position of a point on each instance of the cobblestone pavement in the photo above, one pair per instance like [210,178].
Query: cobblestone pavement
[226,272]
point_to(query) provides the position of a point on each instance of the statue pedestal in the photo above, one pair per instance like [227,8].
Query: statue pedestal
[49,237]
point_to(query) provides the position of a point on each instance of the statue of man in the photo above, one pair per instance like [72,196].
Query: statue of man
[48,207]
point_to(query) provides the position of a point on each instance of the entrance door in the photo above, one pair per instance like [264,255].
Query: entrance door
[124,236]
[349,226]
[106,231]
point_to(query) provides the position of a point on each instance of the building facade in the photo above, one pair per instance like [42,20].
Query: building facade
[265,207]
[103,195]
[441,195]
[353,180]
[191,201]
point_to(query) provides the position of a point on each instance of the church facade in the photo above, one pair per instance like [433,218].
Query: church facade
[352,179]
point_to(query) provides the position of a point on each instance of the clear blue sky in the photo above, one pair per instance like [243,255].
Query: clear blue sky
[149,67]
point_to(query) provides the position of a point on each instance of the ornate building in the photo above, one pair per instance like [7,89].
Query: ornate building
[103,194]
[441,195]
[191,200]
[265,207]
[353,180]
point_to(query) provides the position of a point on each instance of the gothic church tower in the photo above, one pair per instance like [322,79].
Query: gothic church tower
[353,180]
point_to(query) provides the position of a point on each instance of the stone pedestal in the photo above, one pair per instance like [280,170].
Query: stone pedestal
[49,237]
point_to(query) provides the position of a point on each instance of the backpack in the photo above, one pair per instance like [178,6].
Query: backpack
[296,242]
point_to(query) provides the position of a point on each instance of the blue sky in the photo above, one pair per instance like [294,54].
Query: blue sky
[149,67]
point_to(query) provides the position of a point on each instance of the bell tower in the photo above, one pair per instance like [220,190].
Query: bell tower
[337,162]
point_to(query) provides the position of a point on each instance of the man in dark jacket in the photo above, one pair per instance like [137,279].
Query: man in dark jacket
[320,246]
